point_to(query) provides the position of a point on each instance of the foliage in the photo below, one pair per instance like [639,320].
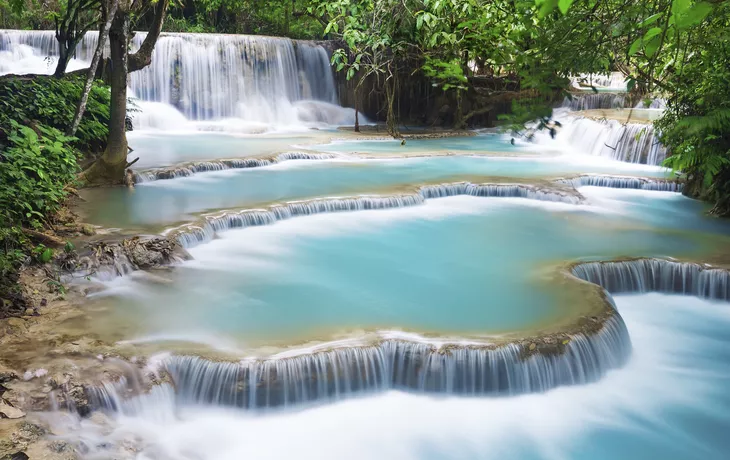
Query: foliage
[262,17]
[51,102]
[38,162]
[37,165]
[27,14]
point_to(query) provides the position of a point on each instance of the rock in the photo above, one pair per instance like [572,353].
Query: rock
[144,257]
[8,411]
[15,325]
[16,456]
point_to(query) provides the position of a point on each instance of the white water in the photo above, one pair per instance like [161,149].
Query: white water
[237,83]
[636,412]
[614,81]
[627,142]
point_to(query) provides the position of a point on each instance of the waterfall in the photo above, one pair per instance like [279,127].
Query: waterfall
[221,165]
[31,51]
[194,234]
[209,76]
[641,183]
[655,103]
[595,101]
[614,80]
[630,142]
[202,77]
[392,364]
[646,275]
[499,190]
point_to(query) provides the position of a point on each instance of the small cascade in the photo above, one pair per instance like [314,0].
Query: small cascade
[595,101]
[222,165]
[389,365]
[613,80]
[640,183]
[656,275]
[630,142]
[658,103]
[192,235]
[499,190]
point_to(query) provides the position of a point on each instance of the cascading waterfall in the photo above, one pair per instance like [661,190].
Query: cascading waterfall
[595,101]
[192,235]
[657,275]
[655,103]
[640,183]
[391,364]
[614,80]
[256,80]
[499,190]
[630,142]
[222,165]
[36,51]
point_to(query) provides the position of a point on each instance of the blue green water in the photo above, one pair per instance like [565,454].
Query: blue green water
[165,202]
[159,149]
[483,143]
[460,265]
[669,402]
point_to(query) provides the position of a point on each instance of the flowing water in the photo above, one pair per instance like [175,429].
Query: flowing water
[367,299]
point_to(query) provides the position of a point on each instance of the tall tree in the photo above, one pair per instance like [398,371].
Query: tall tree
[110,167]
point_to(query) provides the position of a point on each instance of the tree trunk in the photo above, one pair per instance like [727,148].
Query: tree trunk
[109,169]
[357,108]
[64,55]
[391,121]
[107,16]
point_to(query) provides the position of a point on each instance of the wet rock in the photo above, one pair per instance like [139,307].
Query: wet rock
[120,258]
[16,456]
[8,411]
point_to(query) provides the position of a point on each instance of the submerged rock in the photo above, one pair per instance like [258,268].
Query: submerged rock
[136,253]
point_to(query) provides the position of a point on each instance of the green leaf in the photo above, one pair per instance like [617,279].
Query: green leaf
[680,6]
[564,5]
[694,16]
[650,20]
[652,47]
[635,47]
[653,32]
[46,255]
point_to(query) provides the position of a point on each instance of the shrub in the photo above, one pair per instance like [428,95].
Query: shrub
[51,102]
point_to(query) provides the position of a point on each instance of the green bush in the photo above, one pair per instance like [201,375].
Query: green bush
[36,167]
[51,102]
[37,164]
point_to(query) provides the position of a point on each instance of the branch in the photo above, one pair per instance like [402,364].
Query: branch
[143,57]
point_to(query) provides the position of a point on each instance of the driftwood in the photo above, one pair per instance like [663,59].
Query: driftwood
[48,240]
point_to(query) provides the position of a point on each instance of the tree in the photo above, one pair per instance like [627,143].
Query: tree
[75,19]
[110,167]
[108,12]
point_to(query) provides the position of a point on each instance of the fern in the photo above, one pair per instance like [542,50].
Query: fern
[717,120]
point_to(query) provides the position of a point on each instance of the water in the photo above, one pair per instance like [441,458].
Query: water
[668,401]
[378,300]
[323,275]
[628,142]
[235,83]
[164,202]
